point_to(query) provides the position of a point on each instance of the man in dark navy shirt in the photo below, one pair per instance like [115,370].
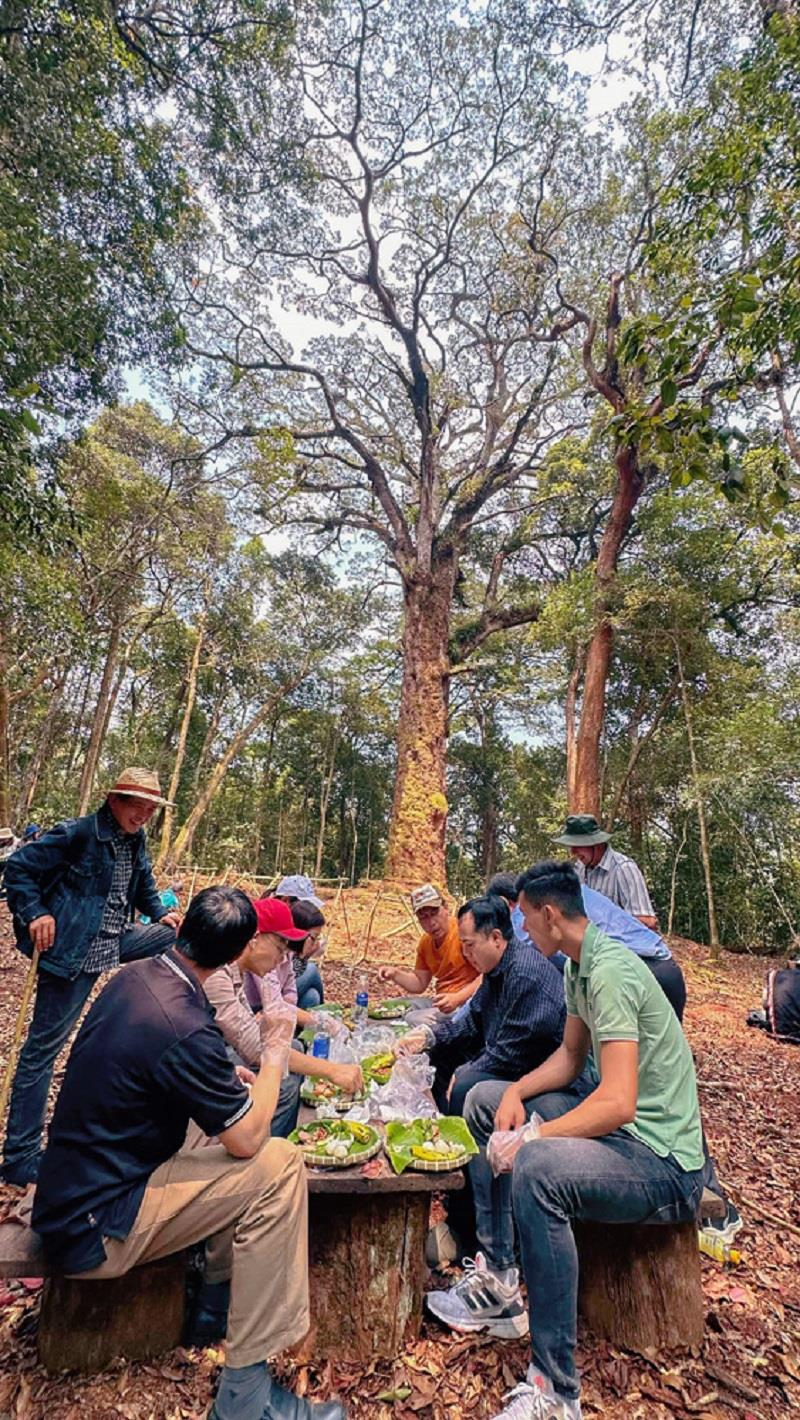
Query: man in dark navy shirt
[129,1175]
[517,1014]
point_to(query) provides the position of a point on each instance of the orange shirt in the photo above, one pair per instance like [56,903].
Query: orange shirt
[445,963]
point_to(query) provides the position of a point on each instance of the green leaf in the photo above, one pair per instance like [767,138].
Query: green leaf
[669,393]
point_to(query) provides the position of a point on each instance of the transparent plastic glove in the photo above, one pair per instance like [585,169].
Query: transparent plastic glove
[422,1038]
[505,1144]
[277,1025]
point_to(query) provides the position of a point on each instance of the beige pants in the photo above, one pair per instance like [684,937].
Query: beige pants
[257,1211]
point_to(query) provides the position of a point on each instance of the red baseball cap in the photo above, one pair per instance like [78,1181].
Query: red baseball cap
[275,916]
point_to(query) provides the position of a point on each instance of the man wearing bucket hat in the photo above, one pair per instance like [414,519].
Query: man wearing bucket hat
[601,867]
[73,894]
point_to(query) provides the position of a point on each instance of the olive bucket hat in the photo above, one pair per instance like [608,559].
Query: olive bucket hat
[581,831]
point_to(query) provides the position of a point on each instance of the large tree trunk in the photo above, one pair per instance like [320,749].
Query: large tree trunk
[419,809]
[100,720]
[180,752]
[587,791]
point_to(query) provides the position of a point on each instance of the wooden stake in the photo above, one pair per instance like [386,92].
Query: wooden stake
[20,1026]
[191,889]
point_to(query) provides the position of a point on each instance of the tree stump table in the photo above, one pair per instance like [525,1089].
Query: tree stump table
[367,1259]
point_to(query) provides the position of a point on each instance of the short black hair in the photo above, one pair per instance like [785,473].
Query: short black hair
[305,915]
[503,885]
[554,882]
[219,923]
[488,913]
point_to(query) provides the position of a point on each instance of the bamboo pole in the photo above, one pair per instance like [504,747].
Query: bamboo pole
[15,1044]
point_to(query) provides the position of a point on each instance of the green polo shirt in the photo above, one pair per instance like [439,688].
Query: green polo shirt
[618,998]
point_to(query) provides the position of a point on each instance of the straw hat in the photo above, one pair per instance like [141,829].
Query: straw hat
[140,784]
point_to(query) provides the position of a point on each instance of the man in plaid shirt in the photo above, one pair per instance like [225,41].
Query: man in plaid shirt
[73,894]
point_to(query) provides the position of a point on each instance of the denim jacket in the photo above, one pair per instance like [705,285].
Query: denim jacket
[67,874]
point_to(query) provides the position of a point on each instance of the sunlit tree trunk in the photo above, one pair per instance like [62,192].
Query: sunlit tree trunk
[587,788]
[419,810]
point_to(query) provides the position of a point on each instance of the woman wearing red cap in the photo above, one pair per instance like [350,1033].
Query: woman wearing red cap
[267,957]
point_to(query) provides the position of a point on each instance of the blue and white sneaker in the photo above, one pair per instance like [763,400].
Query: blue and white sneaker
[482,1301]
[725,1228]
[535,1399]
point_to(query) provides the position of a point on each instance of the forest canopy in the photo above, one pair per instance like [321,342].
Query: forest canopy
[399,440]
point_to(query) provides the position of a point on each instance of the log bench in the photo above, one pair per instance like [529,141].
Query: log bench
[366,1279]
[639,1285]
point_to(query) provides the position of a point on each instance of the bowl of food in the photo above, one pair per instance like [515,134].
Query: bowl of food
[336,1143]
[314,1092]
[432,1145]
[390,1010]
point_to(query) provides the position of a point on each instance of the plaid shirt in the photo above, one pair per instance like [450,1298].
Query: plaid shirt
[103,953]
[512,1023]
[618,877]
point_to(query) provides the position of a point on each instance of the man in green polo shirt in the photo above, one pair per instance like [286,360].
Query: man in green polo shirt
[621,1143]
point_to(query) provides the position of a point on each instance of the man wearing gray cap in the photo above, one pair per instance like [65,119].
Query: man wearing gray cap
[602,868]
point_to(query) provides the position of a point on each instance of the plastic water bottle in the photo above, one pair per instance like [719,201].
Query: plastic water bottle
[717,1247]
[321,1045]
[362,998]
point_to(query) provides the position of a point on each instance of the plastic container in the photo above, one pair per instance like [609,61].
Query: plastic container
[321,1045]
[717,1248]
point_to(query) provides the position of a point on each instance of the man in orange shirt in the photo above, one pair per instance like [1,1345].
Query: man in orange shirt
[439,959]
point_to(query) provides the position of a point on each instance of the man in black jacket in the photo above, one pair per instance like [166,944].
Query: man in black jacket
[73,894]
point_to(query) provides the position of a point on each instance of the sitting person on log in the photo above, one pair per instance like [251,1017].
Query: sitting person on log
[514,1020]
[617,923]
[297,891]
[440,959]
[626,1147]
[269,952]
[305,962]
[130,1173]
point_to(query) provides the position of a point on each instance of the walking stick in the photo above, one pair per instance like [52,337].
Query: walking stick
[23,1011]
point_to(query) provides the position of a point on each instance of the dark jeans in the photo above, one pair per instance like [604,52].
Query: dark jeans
[614,1179]
[671,980]
[461,1203]
[310,991]
[59,1003]
[284,1120]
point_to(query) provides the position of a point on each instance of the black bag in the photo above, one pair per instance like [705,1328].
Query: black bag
[782,1002]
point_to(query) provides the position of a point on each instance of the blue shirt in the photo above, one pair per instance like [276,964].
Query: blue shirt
[615,922]
[514,1021]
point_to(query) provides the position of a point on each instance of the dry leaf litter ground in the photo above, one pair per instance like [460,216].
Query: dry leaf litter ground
[750,1364]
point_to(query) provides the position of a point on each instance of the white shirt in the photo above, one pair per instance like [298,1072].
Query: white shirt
[618,877]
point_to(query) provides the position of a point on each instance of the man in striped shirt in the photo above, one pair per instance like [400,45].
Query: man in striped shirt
[602,868]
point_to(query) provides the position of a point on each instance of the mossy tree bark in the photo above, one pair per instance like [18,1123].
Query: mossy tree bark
[419,810]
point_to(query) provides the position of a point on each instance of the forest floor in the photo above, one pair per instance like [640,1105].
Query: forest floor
[749,1366]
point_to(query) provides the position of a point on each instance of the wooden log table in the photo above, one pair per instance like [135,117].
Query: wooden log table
[367,1258]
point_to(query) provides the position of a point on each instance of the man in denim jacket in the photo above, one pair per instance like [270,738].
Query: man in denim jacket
[73,894]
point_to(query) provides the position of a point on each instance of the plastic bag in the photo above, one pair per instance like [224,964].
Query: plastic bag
[505,1144]
[408,1092]
[372,1039]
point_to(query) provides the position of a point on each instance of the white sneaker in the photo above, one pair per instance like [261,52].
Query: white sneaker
[535,1399]
[480,1301]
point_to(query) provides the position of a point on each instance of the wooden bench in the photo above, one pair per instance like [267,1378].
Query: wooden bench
[366,1279]
[639,1285]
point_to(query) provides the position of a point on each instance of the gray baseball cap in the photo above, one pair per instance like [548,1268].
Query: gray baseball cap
[296,885]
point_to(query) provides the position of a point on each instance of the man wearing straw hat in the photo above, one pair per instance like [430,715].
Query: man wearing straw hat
[73,894]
